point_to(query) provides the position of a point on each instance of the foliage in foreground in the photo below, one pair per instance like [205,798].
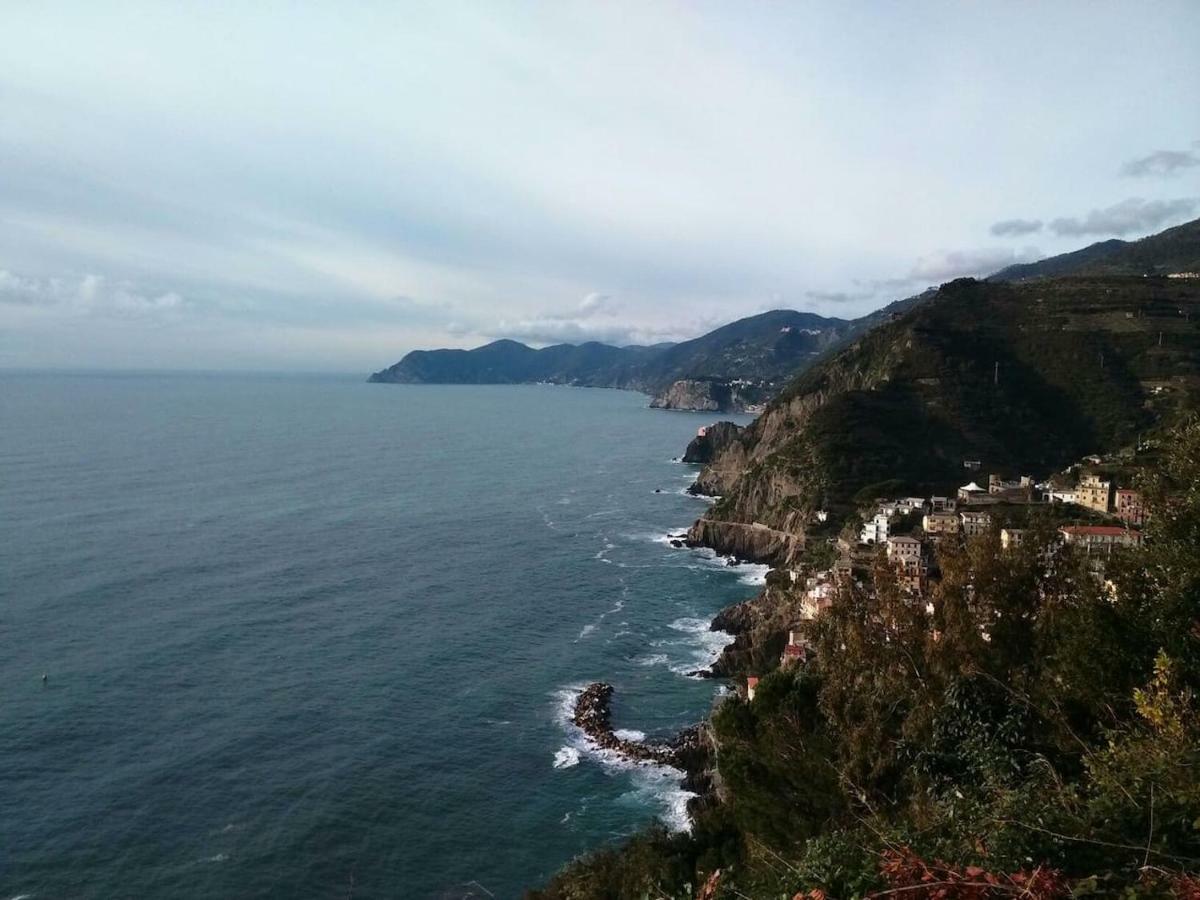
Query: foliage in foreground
[1033,733]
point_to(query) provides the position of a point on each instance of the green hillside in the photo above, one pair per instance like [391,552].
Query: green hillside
[1023,377]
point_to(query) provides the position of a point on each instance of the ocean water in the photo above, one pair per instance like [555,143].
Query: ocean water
[308,637]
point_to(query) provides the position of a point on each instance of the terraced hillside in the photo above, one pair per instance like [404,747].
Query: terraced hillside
[1023,377]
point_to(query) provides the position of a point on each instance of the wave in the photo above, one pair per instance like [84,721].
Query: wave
[654,785]
[703,645]
[566,757]
[587,629]
[630,734]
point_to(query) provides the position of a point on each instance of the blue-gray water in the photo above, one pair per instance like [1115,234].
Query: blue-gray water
[316,638]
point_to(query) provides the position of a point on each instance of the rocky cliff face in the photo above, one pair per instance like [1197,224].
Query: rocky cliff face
[715,439]
[698,396]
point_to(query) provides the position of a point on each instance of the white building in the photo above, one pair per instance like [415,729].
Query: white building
[875,531]
[975,523]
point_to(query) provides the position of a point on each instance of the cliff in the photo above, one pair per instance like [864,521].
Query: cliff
[714,439]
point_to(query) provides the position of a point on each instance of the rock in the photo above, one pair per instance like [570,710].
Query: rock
[688,750]
[716,437]
[677,544]
[751,543]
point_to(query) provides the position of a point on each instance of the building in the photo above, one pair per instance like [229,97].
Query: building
[1128,507]
[1101,538]
[1095,493]
[939,523]
[970,492]
[1065,495]
[1011,537]
[751,686]
[942,504]
[818,596]
[902,549]
[796,650]
[911,504]
[875,531]
[975,523]
[1022,488]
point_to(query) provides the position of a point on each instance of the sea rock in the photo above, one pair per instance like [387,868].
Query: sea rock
[688,750]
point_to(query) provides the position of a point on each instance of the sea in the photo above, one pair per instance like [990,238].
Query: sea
[303,636]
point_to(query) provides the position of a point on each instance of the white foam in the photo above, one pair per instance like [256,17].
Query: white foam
[654,784]
[566,757]
[630,734]
[702,644]
[587,629]
[653,659]
[754,574]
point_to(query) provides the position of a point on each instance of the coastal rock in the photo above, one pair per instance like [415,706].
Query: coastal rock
[688,750]
[753,543]
[697,396]
[715,438]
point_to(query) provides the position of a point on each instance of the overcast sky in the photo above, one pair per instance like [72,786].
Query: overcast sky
[324,186]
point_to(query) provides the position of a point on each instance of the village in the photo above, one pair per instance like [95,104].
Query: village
[1092,505]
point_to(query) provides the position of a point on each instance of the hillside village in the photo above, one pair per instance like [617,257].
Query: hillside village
[1092,506]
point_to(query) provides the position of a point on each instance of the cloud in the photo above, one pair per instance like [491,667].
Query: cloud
[953,264]
[1162,163]
[88,294]
[1016,227]
[839,296]
[1127,217]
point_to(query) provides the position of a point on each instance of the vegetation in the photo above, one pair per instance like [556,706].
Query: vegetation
[1033,732]
[1024,378]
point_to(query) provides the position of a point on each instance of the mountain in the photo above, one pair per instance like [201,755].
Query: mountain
[1169,252]
[1023,377]
[762,351]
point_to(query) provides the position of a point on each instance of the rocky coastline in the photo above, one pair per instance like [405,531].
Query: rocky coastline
[689,751]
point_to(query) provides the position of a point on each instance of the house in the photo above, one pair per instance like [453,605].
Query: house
[1100,537]
[975,523]
[939,523]
[818,596]
[1011,537]
[1128,507]
[1022,487]
[969,492]
[942,504]
[751,686]
[875,531]
[1067,495]
[910,504]
[972,464]
[1095,493]
[901,549]
[796,650]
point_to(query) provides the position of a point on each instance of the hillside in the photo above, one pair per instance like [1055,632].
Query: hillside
[1022,377]
[1174,250]
[764,350]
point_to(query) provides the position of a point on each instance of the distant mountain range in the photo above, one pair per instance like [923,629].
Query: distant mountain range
[743,364]
[762,351]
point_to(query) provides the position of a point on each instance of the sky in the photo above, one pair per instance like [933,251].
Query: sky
[324,186]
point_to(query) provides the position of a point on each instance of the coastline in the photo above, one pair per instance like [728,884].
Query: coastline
[690,754]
